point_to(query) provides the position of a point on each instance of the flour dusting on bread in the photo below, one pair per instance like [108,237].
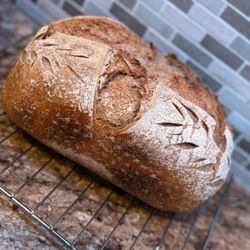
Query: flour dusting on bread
[93,91]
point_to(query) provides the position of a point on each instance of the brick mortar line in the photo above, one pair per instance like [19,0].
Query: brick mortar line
[236,94]
[204,49]
[75,5]
[156,13]
[56,7]
[245,63]
[103,10]
[207,52]
[132,12]
[238,35]
[245,99]
[181,13]
[221,11]
[246,135]
[156,31]
[219,80]
[242,151]
[214,58]
[95,2]
[242,168]
[223,22]
[219,19]
[36,7]
[206,70]
[218,16]
[168,42]
[238,11]
[227,24]
[129,11]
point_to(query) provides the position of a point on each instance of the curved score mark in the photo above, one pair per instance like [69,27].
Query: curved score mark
[23,56]
[199,160]
[45,34]
[50,44]
[178,109]
[180,133]
[191,113]
[186,145]
[206,168]
[47,65]
[33,57]
[78,56]
[169,124]
[74,72]
[204,125]
[57,64]
[216,183]
[64,49]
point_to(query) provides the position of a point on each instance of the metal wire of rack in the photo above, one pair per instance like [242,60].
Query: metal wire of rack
[121,209]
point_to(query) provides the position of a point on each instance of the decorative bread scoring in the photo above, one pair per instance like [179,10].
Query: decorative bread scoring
[93,91]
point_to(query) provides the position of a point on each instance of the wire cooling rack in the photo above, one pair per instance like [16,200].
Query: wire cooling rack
[84,212]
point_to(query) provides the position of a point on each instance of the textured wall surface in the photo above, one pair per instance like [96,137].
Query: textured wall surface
[211,36]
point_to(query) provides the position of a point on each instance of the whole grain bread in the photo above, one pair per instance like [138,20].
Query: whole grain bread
[96,93]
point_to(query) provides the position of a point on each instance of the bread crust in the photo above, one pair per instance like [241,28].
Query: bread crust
[94,92]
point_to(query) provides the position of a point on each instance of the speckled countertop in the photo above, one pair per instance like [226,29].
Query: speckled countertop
[19,232]
[16,232]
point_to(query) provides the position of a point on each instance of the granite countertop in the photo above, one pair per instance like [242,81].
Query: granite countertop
[233,227]
[19,232]
[15,28]
[16,231]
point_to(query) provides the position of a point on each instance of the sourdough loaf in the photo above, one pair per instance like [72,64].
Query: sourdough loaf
[96,93]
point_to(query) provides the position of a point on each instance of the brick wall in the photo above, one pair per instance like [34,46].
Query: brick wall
[211,36]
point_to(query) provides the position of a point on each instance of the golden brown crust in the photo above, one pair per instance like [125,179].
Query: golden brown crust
[96,93]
